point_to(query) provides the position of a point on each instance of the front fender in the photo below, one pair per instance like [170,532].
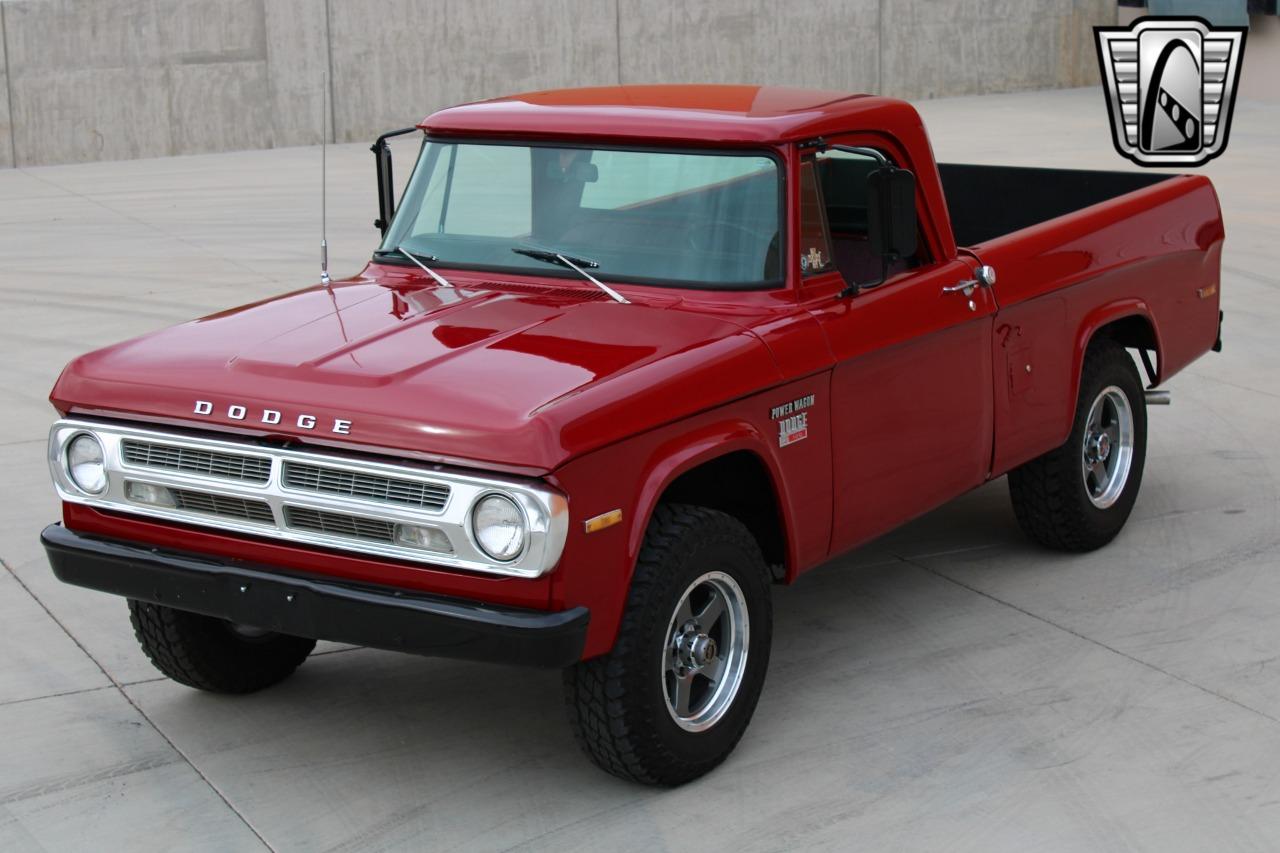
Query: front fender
[596,568]
[686,452]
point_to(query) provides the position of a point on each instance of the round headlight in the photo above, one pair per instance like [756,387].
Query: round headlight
[85,465]
[499,527]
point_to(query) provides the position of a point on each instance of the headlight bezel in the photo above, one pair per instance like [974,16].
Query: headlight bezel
[69,468]
[521,511]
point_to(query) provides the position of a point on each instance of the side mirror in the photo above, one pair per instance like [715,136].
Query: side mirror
[891,212]
[386,181]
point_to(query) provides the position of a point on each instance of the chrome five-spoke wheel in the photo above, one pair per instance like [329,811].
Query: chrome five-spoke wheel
[674,695]
[706,651]
[1077,496]
[1107,453]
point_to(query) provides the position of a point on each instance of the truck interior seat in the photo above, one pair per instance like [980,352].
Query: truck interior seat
[857,263]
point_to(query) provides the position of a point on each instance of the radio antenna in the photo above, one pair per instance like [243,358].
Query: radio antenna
[324,137]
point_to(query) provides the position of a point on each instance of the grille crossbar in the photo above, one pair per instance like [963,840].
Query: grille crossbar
[226,506]
[339,524]
[230,466]
[336,481]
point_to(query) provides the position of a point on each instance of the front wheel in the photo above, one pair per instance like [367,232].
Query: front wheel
[1079,496]
[212,654]
[674,696]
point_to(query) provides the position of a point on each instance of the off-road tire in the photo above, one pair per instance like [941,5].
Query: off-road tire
[616,703]
[206,653]
[1049,495]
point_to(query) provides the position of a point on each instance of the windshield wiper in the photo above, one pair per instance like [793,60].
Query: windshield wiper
[575,264]
[441,280]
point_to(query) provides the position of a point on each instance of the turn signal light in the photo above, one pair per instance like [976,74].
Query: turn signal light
[600,522]
[426,538]
[146,493]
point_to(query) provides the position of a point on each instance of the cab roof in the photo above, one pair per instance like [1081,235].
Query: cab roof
[692,114]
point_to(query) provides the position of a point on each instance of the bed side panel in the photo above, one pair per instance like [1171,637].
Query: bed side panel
[1153,253]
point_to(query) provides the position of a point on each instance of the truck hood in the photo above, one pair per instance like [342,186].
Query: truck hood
[521,378]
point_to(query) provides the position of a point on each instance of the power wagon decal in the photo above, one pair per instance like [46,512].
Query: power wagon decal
[793,421]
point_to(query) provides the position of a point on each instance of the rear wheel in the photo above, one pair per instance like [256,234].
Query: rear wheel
[1079,496]
[213,654]
[675,694]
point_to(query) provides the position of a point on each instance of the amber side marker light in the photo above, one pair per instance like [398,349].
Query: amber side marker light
[600,522]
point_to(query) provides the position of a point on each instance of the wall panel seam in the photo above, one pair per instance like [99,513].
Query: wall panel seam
[617,36]
[8,86]
[328,48]
[880,48]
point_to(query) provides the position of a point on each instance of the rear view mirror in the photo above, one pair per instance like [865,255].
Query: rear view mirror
[578,171]
[587,173]
[891,212]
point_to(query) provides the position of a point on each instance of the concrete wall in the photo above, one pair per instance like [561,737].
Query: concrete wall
[1261,68]
[115,79]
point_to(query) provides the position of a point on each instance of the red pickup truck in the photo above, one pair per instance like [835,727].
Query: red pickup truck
[625,358]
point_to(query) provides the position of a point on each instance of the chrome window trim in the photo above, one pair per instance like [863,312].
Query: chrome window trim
[545,510]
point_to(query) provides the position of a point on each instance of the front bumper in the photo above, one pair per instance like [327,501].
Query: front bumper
[320,608]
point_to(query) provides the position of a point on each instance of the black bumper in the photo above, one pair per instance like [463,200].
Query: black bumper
[320,608]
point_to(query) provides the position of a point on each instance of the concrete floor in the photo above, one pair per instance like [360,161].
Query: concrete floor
[949,687]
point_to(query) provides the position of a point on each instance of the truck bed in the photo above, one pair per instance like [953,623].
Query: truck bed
[1074,250]
[987,202]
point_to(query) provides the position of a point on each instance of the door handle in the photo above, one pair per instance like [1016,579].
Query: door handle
[986,277]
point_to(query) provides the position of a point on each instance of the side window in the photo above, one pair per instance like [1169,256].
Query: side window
[815,239]
[842,181]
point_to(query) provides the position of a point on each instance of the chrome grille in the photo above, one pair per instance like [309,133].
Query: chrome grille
[342,503]
[339,524]
[222,505]
[147,454]
[335,481]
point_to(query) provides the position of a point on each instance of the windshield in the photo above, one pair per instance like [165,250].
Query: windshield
[655,217]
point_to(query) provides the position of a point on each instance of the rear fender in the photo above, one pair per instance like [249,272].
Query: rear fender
[1100,317]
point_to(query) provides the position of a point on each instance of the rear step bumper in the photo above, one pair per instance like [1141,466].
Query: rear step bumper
[320,608]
